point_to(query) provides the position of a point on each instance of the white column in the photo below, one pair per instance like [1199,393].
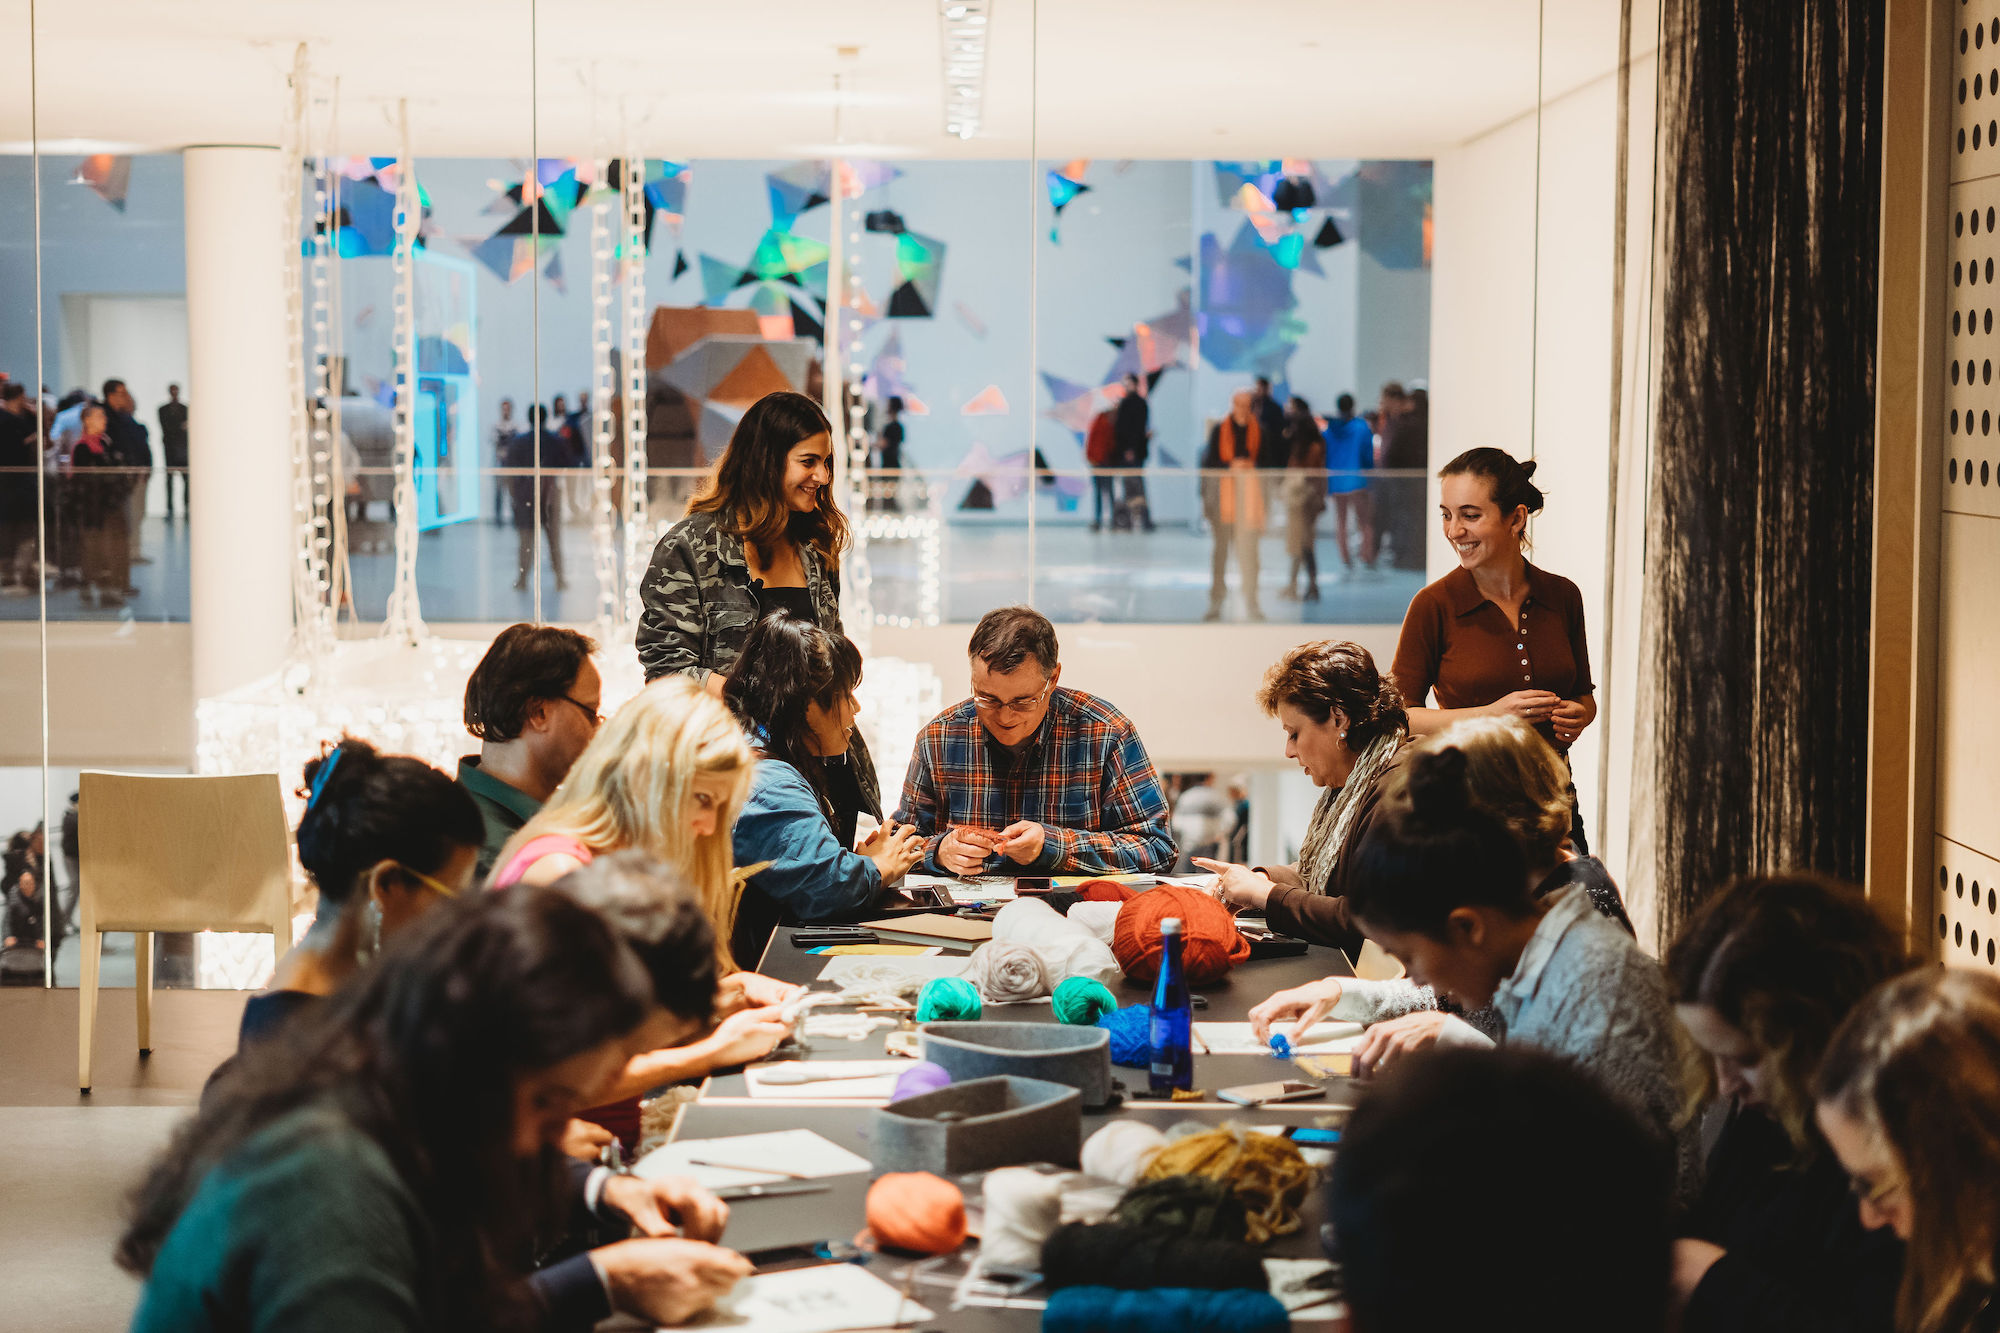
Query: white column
[238,455]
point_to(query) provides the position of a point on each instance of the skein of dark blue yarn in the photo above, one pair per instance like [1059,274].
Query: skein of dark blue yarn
[1183,1310]
[1114,1254]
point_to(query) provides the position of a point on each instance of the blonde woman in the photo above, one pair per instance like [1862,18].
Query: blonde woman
[666,776]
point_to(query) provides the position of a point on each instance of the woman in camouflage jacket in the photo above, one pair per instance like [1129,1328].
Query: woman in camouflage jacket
[762,537]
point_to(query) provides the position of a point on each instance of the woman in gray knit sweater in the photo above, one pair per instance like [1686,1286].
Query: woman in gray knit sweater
[1442,887]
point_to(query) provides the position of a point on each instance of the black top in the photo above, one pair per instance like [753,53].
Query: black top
[1129,431]
[891,455]
[794,602]
[265,1014]
[1798,1257]
[174,433]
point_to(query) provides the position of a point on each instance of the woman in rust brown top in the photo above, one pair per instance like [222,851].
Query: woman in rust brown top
[1344,726]
[1496,637]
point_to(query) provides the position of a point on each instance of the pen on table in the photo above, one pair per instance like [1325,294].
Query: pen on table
[1201,1043]
[738,1166]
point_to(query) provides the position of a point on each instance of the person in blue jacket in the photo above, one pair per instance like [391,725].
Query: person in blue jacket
[793,689]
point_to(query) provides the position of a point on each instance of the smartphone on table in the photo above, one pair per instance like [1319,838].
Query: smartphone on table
[1264,1094]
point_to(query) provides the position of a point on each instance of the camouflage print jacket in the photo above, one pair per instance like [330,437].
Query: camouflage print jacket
[700,602]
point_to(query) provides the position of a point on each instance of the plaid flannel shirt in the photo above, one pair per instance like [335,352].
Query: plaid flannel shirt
[1085,777]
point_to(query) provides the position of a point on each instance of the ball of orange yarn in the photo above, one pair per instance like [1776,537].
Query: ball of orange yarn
[1105,891]
[917,1211]
[1211,944]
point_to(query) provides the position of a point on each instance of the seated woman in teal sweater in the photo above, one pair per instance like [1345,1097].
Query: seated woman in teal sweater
[793,689]
[388,1161]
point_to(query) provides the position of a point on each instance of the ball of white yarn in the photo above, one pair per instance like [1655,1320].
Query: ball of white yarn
[1022,1207]
[1008,973]
[1120,1150]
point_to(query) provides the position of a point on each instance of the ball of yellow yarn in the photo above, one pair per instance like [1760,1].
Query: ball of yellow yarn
[1268,1174]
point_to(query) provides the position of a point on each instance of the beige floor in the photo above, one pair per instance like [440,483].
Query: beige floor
[69,1161]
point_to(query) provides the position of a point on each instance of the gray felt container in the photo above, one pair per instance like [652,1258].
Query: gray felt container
[1004,1122]
[1058,1052]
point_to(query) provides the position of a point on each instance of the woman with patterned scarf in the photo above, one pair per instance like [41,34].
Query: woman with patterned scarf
[1344,724]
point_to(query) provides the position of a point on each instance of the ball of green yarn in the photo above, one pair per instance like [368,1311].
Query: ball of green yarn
[1082,1000]
[947,998]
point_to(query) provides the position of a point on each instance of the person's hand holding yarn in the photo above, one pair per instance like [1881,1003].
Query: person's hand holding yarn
[666,1281]
[964,850]
[1391,1040]
[1308,1003]
[1022,842]
[583,1140]
[668,1206]
[1239,886]
[746,1035]
[894,848]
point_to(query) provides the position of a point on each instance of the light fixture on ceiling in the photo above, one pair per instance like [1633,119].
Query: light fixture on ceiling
[962,26]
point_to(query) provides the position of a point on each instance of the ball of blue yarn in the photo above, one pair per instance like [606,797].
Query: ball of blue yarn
[1131,1030]
[1183,1309]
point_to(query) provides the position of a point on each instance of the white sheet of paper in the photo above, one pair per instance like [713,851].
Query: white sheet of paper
[1204,882]
[847,968]
[824,1299]
[875,1081]
[1288,1278]
[1236,1038]
[795,1151]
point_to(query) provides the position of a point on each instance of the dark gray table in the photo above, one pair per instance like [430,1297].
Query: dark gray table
[726,1108]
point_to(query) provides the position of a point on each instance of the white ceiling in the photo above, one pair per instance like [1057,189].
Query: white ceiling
[755,78]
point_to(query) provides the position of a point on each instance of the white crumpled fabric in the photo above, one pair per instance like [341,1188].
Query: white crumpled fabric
[1009,973]
[1067,948]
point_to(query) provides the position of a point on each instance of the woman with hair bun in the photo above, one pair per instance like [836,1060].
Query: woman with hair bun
[1443,887]
[1496,637]
[1344,726]
[385,838]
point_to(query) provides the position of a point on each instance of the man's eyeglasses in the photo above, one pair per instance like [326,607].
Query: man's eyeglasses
[596,718]
[1027,703]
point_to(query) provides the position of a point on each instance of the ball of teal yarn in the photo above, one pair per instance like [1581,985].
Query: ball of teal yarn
[947,999]
[1082,1000]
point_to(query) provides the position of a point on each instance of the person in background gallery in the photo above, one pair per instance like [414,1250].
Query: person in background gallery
[1350,451]
[32,927]
[1233,499]
[1100,452]
[534,455]
[1027,778]
[533,704]
[884,492]
[1497,637]
[19,494]
[1202,822]
[1132,438]
[131,441]
[1272,453]
[1908,1098]
[1402,443]
[764,534]
[504,430]
[173,419]
[1304,493]
[101,489]
[1763,973]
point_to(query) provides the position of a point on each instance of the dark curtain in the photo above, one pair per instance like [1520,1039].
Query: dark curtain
[1762,505]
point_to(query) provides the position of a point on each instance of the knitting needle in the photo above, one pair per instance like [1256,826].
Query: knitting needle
[760,1170]
[1198,1040]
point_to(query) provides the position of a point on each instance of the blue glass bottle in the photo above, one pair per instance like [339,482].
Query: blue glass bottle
[1171,1038]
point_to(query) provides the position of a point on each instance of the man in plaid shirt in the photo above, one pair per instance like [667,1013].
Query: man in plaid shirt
[1024,778]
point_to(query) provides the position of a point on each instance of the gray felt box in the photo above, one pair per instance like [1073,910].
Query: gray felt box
[1058,1052]
[1000,1121]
